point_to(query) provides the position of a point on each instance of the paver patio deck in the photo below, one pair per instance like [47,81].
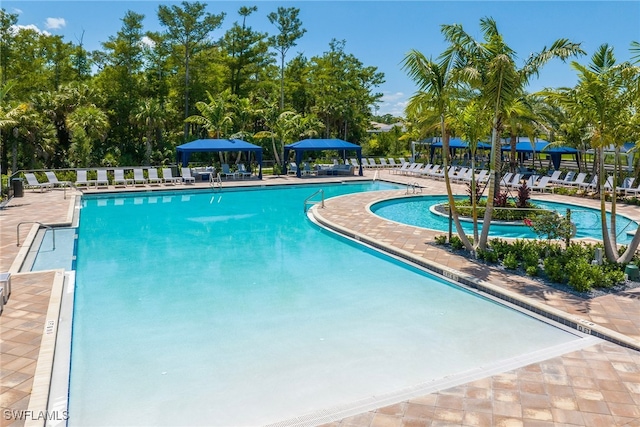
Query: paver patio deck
[596,386]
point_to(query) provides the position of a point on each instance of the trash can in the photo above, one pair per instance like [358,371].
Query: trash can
[632,272]
[18,188]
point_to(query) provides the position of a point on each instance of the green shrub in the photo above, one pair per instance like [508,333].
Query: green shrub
[510,261]
[488,255]
[554,270]
[532,270]
[441,239]
[580,274]
[456,243]
[500,247]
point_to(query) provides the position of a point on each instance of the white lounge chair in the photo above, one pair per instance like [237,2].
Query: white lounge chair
[402,169]
[632,191]
[593,185]
[119,179]
[542,185]
[579,180]
[32,182]
[168,178]
[81,179]
[226,171]
[392,163]
[102,180]
[506,179]
[555,177]
[383,162]
[153,176]
[138,177]
[242,171]
[515,181]
[569,177]
[187,178]
[53,179]
[293,169]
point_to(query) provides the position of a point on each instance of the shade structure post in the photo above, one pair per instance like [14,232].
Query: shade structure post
[298,163]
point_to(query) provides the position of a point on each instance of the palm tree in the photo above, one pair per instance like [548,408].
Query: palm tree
[602,98]
[87,124]
[214,116]
[490,67]
[472,122]
[435,82]
[150,114]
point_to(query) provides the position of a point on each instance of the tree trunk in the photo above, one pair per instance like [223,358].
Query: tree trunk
[493,181]
[452,205]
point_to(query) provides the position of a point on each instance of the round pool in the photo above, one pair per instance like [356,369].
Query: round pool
[417,211]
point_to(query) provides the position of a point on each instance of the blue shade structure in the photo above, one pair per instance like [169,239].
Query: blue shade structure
[183,152]
[319,145]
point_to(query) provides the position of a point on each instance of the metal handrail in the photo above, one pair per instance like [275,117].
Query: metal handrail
[53,230]
[215,182]
[307,202]
[414,186]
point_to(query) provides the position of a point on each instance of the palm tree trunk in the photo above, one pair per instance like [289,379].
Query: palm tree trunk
[493,180]
[609,249]
[452,205]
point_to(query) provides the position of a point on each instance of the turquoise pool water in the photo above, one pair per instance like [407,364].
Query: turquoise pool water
[416,211]
[232,308]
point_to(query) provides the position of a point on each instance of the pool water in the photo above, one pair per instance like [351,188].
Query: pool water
[416,211]
[232,308]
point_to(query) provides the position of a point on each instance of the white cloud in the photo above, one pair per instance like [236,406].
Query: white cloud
[16,28]
[392,103]
[146,41]
[18,11]
[391,97]
[55,23]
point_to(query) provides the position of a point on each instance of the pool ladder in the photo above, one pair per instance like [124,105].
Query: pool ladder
[53,231]
[215,181]
[414,187]
[308,200]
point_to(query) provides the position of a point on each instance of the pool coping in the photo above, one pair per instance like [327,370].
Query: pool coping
[559,316]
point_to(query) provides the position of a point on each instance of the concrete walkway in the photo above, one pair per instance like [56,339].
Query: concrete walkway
[596,386]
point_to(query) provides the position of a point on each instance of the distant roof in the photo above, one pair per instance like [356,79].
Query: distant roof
[383,127]
[322,144]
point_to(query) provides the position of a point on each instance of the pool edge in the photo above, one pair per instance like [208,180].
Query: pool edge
[558,316]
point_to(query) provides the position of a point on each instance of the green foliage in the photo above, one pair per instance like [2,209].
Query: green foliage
[510,261]
[532,270]
[487,255]
[456,243]
[551,225]
[580,274]
[441,239]
[500,247]
[554,269]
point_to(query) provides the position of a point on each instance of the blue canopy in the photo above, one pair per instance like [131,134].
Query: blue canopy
[456,144]
[321,144]
[184,151]
[542,147]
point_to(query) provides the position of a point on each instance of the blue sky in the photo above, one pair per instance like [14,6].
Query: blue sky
[379,33]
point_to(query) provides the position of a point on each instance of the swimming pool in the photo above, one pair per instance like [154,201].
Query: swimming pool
[416,211]
[232,308]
